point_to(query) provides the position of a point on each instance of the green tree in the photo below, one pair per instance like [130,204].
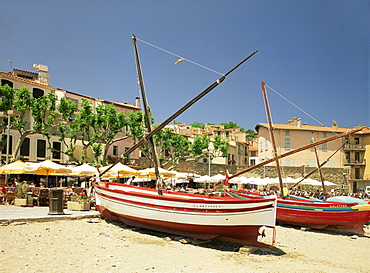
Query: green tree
[229,125]
[198,124]
[41,109]
[221,145]
[172,148]
[251,134]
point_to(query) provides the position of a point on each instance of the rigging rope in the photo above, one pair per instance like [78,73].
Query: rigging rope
[180,57]
[297,106]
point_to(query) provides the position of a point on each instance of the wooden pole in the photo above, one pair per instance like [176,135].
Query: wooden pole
[346,134]
[271,130]
[321,165]
[179,112]
[320,172]
[148,121]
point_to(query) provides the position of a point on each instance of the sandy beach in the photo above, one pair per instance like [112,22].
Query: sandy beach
[99,245]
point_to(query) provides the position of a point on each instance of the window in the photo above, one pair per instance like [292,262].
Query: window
[357,173]
[25,147]
[37,93]
[57,146]
[127,130]
[5,144]
[253,162]
[115,150]
[287,143]
[6,82]
[41,148]
[261,145]
[325,134]
[324,146]
[357,157]
[287,133]
[266,144]
[357,140]
[348,157]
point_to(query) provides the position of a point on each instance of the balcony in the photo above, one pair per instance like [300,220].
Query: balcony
[354,147]
[356,163]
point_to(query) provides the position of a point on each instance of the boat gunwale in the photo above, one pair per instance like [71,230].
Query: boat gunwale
[170,197]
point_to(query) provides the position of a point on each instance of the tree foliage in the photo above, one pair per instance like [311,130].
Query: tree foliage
[198,124]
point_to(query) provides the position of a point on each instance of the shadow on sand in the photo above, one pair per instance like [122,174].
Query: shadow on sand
[211,244]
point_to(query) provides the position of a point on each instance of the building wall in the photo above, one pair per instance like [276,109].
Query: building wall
[299,137]
[40,81]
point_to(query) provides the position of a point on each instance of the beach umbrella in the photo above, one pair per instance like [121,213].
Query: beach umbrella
[218,177]
[84,170]
[119,170]
[239,180]
[260,181]
[203,179]
[174,181]
[150,172]
[17,167]
[47,168]
[181,175]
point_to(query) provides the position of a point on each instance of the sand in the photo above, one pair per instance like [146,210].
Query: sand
[97,245]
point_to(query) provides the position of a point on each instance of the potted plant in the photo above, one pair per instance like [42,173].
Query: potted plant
[79,202]
[21,197]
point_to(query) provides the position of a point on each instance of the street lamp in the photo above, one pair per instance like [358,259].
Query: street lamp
[8,115]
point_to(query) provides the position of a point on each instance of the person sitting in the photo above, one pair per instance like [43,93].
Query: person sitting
[129,181]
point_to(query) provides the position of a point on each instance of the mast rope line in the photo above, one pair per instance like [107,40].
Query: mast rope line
[297,107]
[180,57]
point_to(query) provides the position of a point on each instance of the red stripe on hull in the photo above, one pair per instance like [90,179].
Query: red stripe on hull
[173,208]
[246,234]
[345,222]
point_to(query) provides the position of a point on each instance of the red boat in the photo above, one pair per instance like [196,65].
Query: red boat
[336,216]
[202,217]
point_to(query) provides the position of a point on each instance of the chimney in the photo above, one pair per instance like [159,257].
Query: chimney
[334,124]
[294,121]
[299,122]
[137,102]
[43,76]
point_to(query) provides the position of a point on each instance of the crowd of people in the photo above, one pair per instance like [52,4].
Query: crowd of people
[313,194]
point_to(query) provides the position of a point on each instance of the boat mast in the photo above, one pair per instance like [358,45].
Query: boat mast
[176,114]
[148,121]
[271,130]
[320,166]
[320,171]
[299,150]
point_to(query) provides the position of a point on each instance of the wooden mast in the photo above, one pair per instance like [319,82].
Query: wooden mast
[177,113]
[299,150]
[271,130]
[321,165]
[320,171]
[148,121]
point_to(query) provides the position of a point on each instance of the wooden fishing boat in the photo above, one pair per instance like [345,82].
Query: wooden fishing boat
[337,216]
[341,217]
[203,217]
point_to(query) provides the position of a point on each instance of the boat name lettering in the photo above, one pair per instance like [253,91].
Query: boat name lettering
[207,206]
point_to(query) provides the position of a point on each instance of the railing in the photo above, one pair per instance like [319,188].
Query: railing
[358,147]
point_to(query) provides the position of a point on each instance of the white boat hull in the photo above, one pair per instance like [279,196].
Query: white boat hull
[196,216]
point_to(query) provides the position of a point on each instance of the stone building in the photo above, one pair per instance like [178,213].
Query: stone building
[34,147]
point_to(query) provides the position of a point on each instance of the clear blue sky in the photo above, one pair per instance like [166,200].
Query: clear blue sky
[313,52]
